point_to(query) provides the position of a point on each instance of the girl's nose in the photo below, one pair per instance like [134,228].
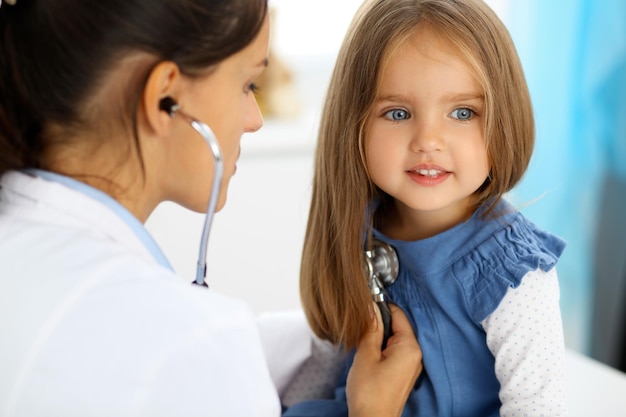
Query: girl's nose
[428,137]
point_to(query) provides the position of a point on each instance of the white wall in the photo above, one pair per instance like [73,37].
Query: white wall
[317,28]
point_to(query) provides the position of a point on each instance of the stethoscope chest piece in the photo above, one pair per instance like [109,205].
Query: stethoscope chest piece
[383,268]
[382,262]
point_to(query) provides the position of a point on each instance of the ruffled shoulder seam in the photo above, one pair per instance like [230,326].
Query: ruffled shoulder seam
[503,260]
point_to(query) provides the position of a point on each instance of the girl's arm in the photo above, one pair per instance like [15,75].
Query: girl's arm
[525,335]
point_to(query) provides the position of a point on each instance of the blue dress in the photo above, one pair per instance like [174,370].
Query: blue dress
[448,284]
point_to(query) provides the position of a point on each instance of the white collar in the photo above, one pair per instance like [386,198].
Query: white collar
[77,202]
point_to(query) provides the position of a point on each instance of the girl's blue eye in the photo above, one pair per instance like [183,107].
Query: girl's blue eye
[462,113]
[397,115]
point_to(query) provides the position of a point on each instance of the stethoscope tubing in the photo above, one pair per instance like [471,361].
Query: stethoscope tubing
[173,109]
[209,137]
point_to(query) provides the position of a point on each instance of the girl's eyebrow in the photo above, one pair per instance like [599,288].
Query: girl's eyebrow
[446,98]
[464,97]
[393,97]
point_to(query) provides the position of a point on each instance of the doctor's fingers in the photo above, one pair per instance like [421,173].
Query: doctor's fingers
[372,340]
[379,383]
[402,347]
[402,332]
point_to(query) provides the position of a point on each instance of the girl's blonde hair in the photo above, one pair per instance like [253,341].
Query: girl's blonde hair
[333,283]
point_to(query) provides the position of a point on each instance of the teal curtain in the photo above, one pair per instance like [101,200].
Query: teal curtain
[574,57]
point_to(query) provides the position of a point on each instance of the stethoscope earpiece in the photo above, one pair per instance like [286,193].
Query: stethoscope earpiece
[169,106]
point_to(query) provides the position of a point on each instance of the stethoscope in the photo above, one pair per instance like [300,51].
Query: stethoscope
[172,108]
[382,268]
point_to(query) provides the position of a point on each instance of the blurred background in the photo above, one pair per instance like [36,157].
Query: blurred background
[574,56]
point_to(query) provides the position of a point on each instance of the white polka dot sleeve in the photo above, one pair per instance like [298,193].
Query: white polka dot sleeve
[525,335]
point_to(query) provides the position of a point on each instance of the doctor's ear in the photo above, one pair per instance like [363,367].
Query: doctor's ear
[163,83]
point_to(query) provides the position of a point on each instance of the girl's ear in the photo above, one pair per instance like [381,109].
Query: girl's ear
[163,81]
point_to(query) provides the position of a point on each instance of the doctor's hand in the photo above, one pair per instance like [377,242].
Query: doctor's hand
[379,383]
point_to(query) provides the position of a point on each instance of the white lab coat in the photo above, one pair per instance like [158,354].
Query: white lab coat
[91,325]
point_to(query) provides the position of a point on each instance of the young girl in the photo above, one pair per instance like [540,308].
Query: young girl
[427,124]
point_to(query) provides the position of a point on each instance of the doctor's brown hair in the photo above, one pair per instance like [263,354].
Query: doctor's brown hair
[333,283]
[54,54]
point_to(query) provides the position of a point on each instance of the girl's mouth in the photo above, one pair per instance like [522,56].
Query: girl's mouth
[428,176]
[429,172]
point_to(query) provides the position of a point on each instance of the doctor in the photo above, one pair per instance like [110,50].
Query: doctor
[93,320]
